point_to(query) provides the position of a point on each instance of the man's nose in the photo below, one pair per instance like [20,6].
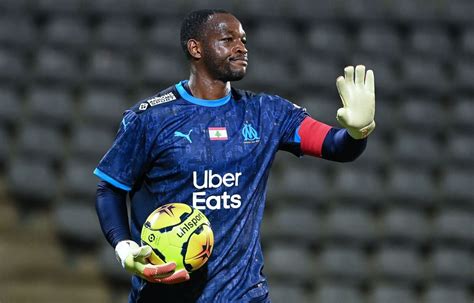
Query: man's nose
[240,47]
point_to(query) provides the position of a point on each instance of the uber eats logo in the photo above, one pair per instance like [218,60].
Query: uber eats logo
[209,180]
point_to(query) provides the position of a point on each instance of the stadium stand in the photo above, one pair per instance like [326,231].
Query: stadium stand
[394,226]
[10,108]
[350,225]
[4,147]
[422,74]
[451,265]
[310,65]
[461,113]
[431,41]
[412,186]
[89,143]
[348,190]
[102,107]
[306,233]
[416,148]
[380,40]
[264,66]
[17,32]
[343,263]
[332,292]
[50,106]
[328,40]
[458,149]
[53,7]
[44,144]
[54,66]
[392,293]
[158,60]
[76,179]
[283,293]
[109,68]
[398,264]
[467,40]
[455,186]
[294,183]
[439,293]
[12,67]
[119,33]
[300,263]
[68,34]
[454,226]
[36,194]
[76,224]
[162,36]
[422,113]
[463,72]
[407,225]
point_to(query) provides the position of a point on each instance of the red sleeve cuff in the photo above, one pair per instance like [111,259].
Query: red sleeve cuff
[312,134]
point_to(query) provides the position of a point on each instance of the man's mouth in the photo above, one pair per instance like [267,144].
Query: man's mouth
[241,60]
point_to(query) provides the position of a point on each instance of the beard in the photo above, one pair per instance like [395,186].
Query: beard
[223,70]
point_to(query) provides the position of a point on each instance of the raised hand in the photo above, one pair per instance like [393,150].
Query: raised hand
[357,93]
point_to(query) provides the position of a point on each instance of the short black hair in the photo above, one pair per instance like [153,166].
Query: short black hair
[193,25]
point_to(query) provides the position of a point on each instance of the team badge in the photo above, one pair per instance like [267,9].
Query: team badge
[250,134]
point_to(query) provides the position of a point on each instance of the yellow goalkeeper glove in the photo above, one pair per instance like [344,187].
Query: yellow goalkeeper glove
[358,100]
[134,259]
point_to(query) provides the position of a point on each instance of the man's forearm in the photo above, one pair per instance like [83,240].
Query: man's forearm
[111,209]
[321,140]
[341,147]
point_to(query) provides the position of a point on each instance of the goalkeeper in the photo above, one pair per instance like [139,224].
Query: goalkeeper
[173,146]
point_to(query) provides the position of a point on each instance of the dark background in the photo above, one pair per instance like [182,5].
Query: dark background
[397,225]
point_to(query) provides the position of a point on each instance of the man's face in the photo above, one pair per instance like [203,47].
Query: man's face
[224,52]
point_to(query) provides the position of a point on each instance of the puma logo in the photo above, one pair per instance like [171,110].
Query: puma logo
[187,137]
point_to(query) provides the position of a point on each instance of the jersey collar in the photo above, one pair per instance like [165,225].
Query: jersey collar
[210,103]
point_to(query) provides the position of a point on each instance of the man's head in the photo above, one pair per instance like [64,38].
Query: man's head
[214,41]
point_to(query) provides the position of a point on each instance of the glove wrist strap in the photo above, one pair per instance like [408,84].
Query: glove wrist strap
[363,132]
[122,250]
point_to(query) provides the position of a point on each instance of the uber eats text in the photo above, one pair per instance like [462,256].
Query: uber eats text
[209,180]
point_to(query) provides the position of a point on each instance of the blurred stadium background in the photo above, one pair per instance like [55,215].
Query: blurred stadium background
[395,226]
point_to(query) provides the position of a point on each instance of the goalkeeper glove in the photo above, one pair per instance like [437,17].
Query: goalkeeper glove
[358,100]
[134,259]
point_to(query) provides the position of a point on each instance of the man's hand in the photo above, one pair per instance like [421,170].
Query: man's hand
[358,100]
[134,259]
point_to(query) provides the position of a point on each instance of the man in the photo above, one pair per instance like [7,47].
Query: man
[168,144]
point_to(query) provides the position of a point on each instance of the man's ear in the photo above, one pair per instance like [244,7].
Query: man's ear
[194,48]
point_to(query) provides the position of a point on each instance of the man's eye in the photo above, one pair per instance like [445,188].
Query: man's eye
[229,39]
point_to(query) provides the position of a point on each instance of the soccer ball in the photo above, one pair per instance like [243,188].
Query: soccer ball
[177,232]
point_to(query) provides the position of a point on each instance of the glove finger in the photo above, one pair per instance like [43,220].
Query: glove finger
[370,81]
[359,74]
[159,271]
[152,280]
[142,252]
[342,89]
[129,263]
[349,74]
[178,277]
[342,116]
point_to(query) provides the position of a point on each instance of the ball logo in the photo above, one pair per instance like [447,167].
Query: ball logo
[151,237]
[211,180]
[189,225]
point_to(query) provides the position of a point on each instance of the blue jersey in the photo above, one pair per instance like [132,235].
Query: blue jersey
[215,156]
